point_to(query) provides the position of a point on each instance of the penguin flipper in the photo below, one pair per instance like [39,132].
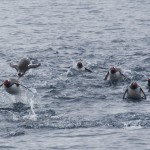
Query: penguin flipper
[14,81]
[125,93]
[144,95]
[88,70]
[33,65]
[25,87]
[106,76]
[14,66]
[121,73]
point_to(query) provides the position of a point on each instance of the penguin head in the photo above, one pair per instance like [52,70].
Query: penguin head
[113,70]
[134,85]
[20,74]
[6,83]
[79,65]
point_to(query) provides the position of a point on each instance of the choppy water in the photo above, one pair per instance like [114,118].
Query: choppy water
[76,110]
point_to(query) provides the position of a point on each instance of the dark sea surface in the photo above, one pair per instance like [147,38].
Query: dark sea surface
[70,109]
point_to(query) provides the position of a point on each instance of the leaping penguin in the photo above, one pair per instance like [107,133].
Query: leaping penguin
[23,65]
[12,86]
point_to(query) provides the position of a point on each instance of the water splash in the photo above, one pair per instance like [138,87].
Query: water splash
[32,115]
[20,106]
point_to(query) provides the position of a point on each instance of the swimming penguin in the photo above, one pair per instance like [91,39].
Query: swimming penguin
[24,65]
[114,74]
[12,86]
[134,91]
[80,66]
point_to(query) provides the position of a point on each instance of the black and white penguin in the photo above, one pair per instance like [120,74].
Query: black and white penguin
[80,66]
[23,65]
[114,74]
[134,91]
[12,86]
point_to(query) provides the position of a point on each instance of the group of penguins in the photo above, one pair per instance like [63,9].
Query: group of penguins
[114,74]
[12,85]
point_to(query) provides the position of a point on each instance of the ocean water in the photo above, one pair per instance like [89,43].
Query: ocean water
[75,110]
